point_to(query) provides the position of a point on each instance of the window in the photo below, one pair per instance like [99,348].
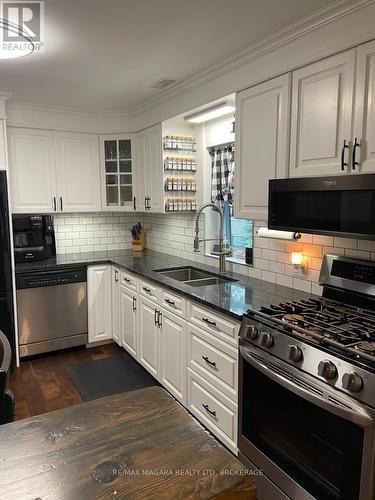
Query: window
[238,236]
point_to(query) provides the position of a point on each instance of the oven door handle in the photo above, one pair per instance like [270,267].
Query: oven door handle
[356,414]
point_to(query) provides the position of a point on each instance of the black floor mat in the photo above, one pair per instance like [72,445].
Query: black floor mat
[96,379]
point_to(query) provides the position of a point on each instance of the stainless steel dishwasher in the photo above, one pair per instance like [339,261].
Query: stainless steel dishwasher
[52,310]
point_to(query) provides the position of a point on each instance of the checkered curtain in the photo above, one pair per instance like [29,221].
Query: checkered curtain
[222,163]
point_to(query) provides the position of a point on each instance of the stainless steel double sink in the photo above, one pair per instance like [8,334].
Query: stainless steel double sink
[193,276]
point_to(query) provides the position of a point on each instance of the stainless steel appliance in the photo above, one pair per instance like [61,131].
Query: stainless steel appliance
[340,205]
[6,395]
[52,310]
[34,237]
[6,285]
[307,389]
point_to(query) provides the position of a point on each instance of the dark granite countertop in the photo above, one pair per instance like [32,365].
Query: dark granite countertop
[233,298]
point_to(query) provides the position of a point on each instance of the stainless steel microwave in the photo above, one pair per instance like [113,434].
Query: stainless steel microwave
[339,205]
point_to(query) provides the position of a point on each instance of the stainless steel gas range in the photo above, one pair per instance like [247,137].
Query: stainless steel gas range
[307,389]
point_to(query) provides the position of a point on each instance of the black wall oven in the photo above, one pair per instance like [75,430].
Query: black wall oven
[340,205]
[312,442]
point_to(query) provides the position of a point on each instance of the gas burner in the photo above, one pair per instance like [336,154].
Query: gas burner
[294,319]
[367,347]
[315,330]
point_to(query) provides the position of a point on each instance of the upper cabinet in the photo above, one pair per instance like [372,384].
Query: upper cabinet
[32,170]
[150,162]
[363,145]
[118,172]
[322,106]
[262,139]
[77,172]
[53,172]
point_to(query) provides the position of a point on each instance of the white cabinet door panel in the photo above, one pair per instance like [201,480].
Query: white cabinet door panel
[99,303]
[78,178]
[116,313]
[322,99]
[148,337]
[128,307]
[364,116]
[173,355]
[262,131]
[32,170]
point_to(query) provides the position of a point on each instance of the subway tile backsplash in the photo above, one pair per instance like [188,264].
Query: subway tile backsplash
[173,234]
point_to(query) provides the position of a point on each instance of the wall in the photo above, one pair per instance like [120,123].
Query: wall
[174,234]
[93,231]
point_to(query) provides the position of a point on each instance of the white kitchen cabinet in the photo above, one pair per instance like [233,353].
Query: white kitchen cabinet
[150,162]
[364,115]
[53,171]
[322,107]
[99,300]
[118,173]
[173,354]
[77,172]
[148,336]
[262,135]
[116,312]
[32,170]
[128,308]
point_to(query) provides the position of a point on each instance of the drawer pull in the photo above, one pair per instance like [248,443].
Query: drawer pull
[209,322]
[147,290]
[127,280]
[170,302]
[211,412]
[211,363]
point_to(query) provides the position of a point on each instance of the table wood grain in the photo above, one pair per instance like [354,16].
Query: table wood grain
[136,445]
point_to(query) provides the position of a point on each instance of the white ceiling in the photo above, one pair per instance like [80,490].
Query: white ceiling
[104,55]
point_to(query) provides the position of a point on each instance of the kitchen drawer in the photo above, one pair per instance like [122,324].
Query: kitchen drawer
[148,290]
[214,360]
[214,410]
[129,280]
[173,303]
[214,323]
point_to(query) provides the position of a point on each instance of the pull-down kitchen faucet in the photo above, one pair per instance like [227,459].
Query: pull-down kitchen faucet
[221,236]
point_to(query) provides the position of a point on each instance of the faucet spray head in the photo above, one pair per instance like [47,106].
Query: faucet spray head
[196,242]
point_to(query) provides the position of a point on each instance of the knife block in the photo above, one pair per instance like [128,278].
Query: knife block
[139,245]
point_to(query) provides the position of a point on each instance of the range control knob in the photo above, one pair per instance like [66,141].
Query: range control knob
[252,332]
[267,340]
[295,353]
[327,370]
[352,382]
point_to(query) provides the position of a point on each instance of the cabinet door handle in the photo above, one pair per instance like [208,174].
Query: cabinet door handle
[160,317]
[145,202]
[134,203]
[156,317]
[209,322]
[116,275]
[149,200]
[356,145]
[134,304]
[343,162]
[207,408]
[147,290]
[211,363]
[170,302]
[54,203]
[61,203]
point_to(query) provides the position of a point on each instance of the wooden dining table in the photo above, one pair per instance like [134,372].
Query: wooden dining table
[135,445]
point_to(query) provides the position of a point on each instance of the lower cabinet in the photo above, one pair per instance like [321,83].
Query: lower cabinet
[172,372]
[99,298]
[148,336]
[128,320]
[217,412]
[116,323]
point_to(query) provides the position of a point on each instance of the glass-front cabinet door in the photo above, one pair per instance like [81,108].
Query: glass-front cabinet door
[118,188]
